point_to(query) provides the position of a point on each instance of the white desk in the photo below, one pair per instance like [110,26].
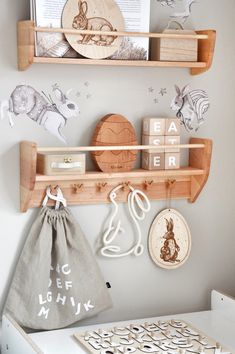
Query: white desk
[218,323]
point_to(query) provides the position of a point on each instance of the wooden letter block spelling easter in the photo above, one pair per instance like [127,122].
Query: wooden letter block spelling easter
[172,140]
[153,140]
[153,161]
[172,126]
[172,160]
[153,126]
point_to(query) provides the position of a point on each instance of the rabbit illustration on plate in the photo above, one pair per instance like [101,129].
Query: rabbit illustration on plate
[191,105]
[40,108]
[170,249]
[81,21]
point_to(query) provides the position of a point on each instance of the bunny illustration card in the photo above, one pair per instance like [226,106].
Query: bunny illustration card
[169,240]
[93,15]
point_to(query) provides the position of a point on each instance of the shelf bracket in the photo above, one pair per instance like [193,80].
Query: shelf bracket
[25,48]
[206,48]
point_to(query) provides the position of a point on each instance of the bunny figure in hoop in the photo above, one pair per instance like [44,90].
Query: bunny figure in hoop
[170,249]
[81,21]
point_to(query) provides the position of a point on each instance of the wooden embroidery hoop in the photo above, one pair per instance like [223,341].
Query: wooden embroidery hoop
[179,237]
[95,15]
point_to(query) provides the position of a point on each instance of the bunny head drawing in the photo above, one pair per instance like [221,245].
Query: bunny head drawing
[170,249]
[81,21]
[41,109]
[191,105]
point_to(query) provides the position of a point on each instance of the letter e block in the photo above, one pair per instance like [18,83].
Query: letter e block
[153,161]
[172,160]
[172,140]
[154,126]
[153,140]
[172,126]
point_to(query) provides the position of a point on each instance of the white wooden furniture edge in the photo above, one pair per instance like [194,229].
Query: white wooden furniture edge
[218,323]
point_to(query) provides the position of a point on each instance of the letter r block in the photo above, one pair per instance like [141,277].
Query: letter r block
[172,160]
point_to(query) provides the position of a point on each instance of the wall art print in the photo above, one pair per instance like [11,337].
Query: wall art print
[169,240]
[41,108]
[181,16]
[191,106]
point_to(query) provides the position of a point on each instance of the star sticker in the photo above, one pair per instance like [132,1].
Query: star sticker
[155,100]
[163,91]
[150,89]
[78,94]
[86,84]
[88,96]
[55,86]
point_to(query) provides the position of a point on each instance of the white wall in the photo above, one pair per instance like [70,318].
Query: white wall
[139,288]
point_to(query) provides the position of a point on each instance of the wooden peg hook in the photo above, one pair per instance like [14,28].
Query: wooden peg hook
[148,185]
[78,187]
[170,184]
[101,186]
[126,185]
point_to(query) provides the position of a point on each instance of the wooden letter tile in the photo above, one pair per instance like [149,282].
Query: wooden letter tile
[172,140]
[172,161]
[172,126]
[153,161]
[154,126]
[153,140]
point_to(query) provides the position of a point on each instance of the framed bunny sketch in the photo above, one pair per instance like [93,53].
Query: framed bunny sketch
[169,240]
[94,15]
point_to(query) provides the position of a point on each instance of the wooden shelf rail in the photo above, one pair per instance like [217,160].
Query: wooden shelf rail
[93,187]
[26,49]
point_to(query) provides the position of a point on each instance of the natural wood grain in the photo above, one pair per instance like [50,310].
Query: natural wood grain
[84,189]
[206,50]
[113,148]
[130,63]
[28,161]
[25,44]
[202,160]
[122,34]
[114,130]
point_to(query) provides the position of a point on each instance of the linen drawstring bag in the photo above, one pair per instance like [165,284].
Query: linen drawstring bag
[57,281]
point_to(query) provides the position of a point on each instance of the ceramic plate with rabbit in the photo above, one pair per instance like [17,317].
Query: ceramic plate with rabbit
[94,15]
[169,239]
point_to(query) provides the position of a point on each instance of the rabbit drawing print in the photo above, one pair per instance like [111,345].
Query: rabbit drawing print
[40,108]
[191,105]
[170,249]
[81,21]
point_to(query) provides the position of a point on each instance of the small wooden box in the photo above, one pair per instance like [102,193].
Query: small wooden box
[62,164]
[172,160]
[174,49]
[154,126]
[153,140]
[153,161]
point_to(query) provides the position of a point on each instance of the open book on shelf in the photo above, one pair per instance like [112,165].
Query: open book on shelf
[48,13]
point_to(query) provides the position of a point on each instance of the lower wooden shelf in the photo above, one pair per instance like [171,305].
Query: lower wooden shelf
[94,187]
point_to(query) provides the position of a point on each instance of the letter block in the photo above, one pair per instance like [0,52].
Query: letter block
[154,126]
[153,140]
[172,140]
[172,126]
[172,160]
[153,161]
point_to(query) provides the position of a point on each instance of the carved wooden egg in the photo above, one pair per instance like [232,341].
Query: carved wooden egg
[114,129]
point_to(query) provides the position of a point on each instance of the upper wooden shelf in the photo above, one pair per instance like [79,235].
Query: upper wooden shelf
[94,187]
[26,49]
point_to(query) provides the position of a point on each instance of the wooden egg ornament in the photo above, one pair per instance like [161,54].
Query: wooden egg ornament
[94,15]
[114,129]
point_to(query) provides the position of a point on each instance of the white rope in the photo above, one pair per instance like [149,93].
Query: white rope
[134,202]
[59,198]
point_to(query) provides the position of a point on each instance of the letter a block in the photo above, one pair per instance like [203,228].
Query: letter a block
[172,126]
[172,160]
[154,126]
[153,161]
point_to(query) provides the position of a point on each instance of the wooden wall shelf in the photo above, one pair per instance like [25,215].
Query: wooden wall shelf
[94,187]
[26,49]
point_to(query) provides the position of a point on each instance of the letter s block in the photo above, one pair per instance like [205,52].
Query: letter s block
[153,140]
[154,126]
